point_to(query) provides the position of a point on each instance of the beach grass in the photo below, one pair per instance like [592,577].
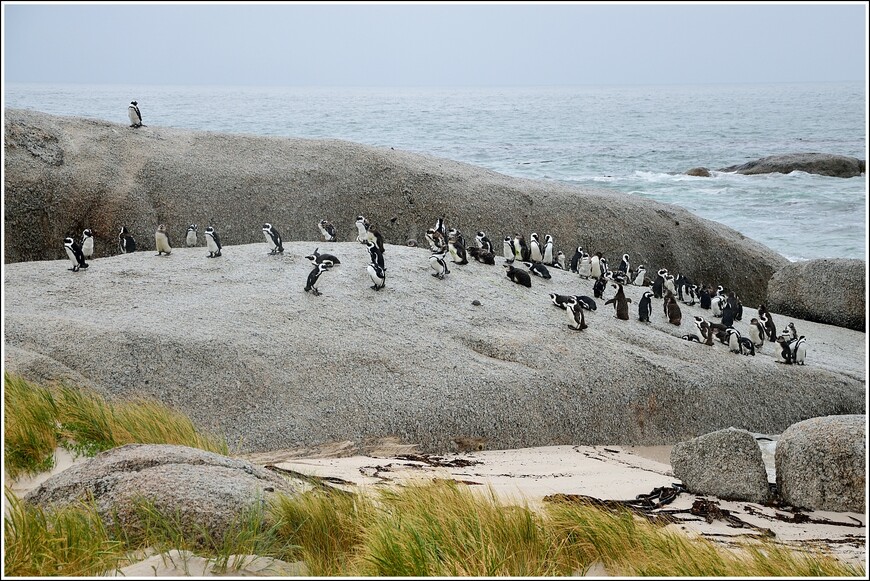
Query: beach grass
[38,419]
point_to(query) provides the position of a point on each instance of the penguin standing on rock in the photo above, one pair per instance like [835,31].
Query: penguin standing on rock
[378,274]
[213,242]
[508,250]
[87,244]
[314,275]
[638,277]
[576,318]
[74,252]
[191,239]
[549,260]
[273,239]
[456,247]
[561,261]
[327,230]
[535,252]
[376,255]
[756,333]
[624,265]
[620,302]
[575,259]
[126,242]
[659,282]
[767,320]
[518,276]
[439,265]
[644,308]
[672,310]
[135,115]
[161,241]
[800,351]
[483,241]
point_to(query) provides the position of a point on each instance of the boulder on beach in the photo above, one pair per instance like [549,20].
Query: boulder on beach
[821,463]
[65,174]
[826,290]
[726,463]
[205,490]
[826,164]
[236,344]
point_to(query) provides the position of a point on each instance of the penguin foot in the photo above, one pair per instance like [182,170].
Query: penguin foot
[315,292]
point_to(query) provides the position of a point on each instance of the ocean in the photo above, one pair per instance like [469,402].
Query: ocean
[639,140]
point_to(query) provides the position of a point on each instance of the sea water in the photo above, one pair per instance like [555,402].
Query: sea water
[639,140]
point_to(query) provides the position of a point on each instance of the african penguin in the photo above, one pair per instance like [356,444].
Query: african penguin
[436,240]
[561,301]
[456,247]
[508,250]
[756,333]
[483,241]
[595,269]
[213,242]
[318,257]
[538,269]
[481,255]
[521,249]
[439,265]
[161,241]
[624,265]
[767,320]
[638,278]
[691,337]
[327,230]
[746,346]
[319,268]
[273,238]
[548,251]
[586,302]
[575,260]
[87,243]
[191,239]
[561,261]
[659,282]
[672,310]
[535,252]
[644,308]
[74,252]
[576,318]
[785,354]
[126,243]
[734,340]
[134,114]
[800,351]
[378,274]
[599,287]
[376,255]
[619,302]
[518,276]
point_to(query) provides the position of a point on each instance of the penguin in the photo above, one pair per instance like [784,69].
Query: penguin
[456,247]
[729,310]
[575,260]
[785,352]
[586,302]
[704,298]
[599,287]
[483,241]
[213,241]
[441,227]
[318,257]
[734,340]
[746,346]
[669,285]
[756,333]
[604,268]
[74,252]
[800,351]
[584,268]
[619,277]
[134,114]
[624,265]
[596,270]
[455,233]
[319,268]
[672,310]
[481,255]
[376,255]
[439,265]
[191,239]
[518,276]
[561,261]
[789,332]
[691,337]
[521,249]
[536,254]
[161,241]
[716,305]
[327,230]
[378,275]
[704,329]
[767,320]
[508,250]
[638,278]
[691,294]
[436,241]
[87,243]
[620,302]
[538,269]
[548,251]
[644,308]
[576,318]
[659,282]
[367,231]
[273,239]
[561,301]
[126,243]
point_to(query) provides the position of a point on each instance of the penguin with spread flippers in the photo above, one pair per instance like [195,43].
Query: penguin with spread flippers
[619,302]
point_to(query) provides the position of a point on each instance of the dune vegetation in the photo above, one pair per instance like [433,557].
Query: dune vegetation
[437,529]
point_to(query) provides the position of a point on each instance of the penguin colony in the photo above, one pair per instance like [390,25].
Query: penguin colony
[535,256]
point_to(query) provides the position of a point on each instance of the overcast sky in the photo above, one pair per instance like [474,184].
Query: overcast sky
[319,44]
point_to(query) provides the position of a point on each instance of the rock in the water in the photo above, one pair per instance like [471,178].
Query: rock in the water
[841,166]
[701,172]
[725,463]
[205,489]
[821,463]
[826,290]
[63,174]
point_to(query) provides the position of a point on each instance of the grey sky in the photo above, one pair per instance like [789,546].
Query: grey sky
[433,44]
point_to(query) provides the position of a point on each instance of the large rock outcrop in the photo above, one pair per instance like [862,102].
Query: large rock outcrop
[821,463]
[725,463]
[236,343]
[826,164]
[65,174]
[826,290]
[206,491]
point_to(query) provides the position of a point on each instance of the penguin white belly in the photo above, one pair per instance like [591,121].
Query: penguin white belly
[191,238]
[212,247]
[72,257]
[88,247]
[162,243]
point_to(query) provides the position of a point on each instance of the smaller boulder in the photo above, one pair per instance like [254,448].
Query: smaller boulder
[726,464]
[820,463]
[701,172]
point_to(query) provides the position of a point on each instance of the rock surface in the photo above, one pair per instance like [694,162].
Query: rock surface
[725,463]
[841,166]
[205,489]
[821,463]
[701,172]
[66,174]
[235,343]
[828,290]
